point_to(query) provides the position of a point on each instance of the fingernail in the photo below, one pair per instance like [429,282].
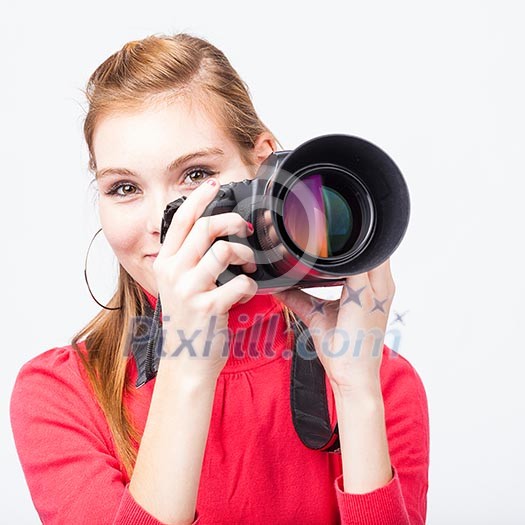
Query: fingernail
[211,182]
[250,226]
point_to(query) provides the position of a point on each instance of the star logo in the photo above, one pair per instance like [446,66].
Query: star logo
[379,305]
[318,305]
[399,318]
[353,295]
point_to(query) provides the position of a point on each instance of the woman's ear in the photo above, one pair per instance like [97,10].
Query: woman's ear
[264,146]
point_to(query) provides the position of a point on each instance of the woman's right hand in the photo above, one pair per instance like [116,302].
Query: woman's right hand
[186,270]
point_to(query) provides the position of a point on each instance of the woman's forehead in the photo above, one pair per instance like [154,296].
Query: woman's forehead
[156,132]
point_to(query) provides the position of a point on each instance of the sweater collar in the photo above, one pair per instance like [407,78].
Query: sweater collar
[258,334]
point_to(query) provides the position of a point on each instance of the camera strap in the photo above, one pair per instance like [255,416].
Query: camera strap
[308,395]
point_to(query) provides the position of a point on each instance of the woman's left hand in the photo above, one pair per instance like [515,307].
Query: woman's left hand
[348,333]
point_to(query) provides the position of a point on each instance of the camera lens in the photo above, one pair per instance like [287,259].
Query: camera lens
[322,212]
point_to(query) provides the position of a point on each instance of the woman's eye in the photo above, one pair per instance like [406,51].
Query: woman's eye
[126,186]
[193,177]
[197,175]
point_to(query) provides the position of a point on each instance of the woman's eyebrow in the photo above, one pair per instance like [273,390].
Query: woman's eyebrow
[103,172]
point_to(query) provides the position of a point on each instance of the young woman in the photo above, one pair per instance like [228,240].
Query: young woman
[210,439]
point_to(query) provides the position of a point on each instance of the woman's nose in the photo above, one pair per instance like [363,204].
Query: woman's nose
[154,215]
[156,209]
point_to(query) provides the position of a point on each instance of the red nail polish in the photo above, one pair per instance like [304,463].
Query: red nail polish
[250,226]
[211,182]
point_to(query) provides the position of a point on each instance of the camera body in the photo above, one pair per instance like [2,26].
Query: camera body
[365,196]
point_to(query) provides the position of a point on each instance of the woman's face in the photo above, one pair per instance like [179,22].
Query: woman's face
[143,163]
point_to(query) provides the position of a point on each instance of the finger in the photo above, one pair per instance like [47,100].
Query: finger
[356,292]
[381,280]
[186,215]
[240,288]
[303,304]
[219,256]
[204,233]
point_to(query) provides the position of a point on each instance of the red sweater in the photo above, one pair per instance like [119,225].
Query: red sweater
[255,468]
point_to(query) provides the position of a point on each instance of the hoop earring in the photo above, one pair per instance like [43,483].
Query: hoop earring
[86,277]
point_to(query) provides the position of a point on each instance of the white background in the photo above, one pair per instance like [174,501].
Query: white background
[438,86]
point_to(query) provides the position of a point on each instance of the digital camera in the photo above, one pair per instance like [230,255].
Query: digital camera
[335,206]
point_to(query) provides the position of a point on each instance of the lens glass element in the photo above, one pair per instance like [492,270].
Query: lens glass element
[317,217]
